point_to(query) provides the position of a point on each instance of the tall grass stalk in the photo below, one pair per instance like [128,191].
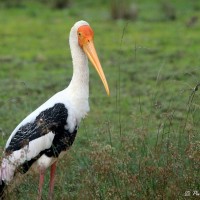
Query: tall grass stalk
[118,83]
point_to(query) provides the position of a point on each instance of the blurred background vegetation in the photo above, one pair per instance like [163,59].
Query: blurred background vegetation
[142,142]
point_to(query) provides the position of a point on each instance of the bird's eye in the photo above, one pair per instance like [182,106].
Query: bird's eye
[79,34]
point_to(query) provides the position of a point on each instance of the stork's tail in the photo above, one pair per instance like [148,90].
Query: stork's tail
[2,189]
[6,175]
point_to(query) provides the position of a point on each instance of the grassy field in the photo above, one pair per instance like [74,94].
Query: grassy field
[143,141]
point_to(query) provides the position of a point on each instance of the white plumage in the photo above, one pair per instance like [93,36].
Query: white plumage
[48,131]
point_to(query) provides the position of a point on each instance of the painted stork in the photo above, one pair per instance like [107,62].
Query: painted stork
[45,134]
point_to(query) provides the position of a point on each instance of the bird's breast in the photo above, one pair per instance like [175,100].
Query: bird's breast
[80,108]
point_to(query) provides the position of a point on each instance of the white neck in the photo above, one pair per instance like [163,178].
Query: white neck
[79,84]
[78,90]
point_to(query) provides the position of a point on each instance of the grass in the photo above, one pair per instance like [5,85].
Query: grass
[142,142]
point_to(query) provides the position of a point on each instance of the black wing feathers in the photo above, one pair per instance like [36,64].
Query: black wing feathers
[51,119]
[62,141]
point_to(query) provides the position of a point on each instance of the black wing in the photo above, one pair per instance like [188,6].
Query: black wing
[54,120]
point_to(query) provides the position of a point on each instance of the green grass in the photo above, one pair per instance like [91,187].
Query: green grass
[142,142]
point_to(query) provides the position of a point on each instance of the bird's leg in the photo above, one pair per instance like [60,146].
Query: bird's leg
[41,181]
[52,180]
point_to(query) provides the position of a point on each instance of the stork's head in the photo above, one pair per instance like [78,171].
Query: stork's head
[85,37]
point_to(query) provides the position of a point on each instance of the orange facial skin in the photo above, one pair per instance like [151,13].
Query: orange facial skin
[85,34]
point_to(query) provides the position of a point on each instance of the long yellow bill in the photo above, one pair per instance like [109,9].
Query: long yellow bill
[89,49]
